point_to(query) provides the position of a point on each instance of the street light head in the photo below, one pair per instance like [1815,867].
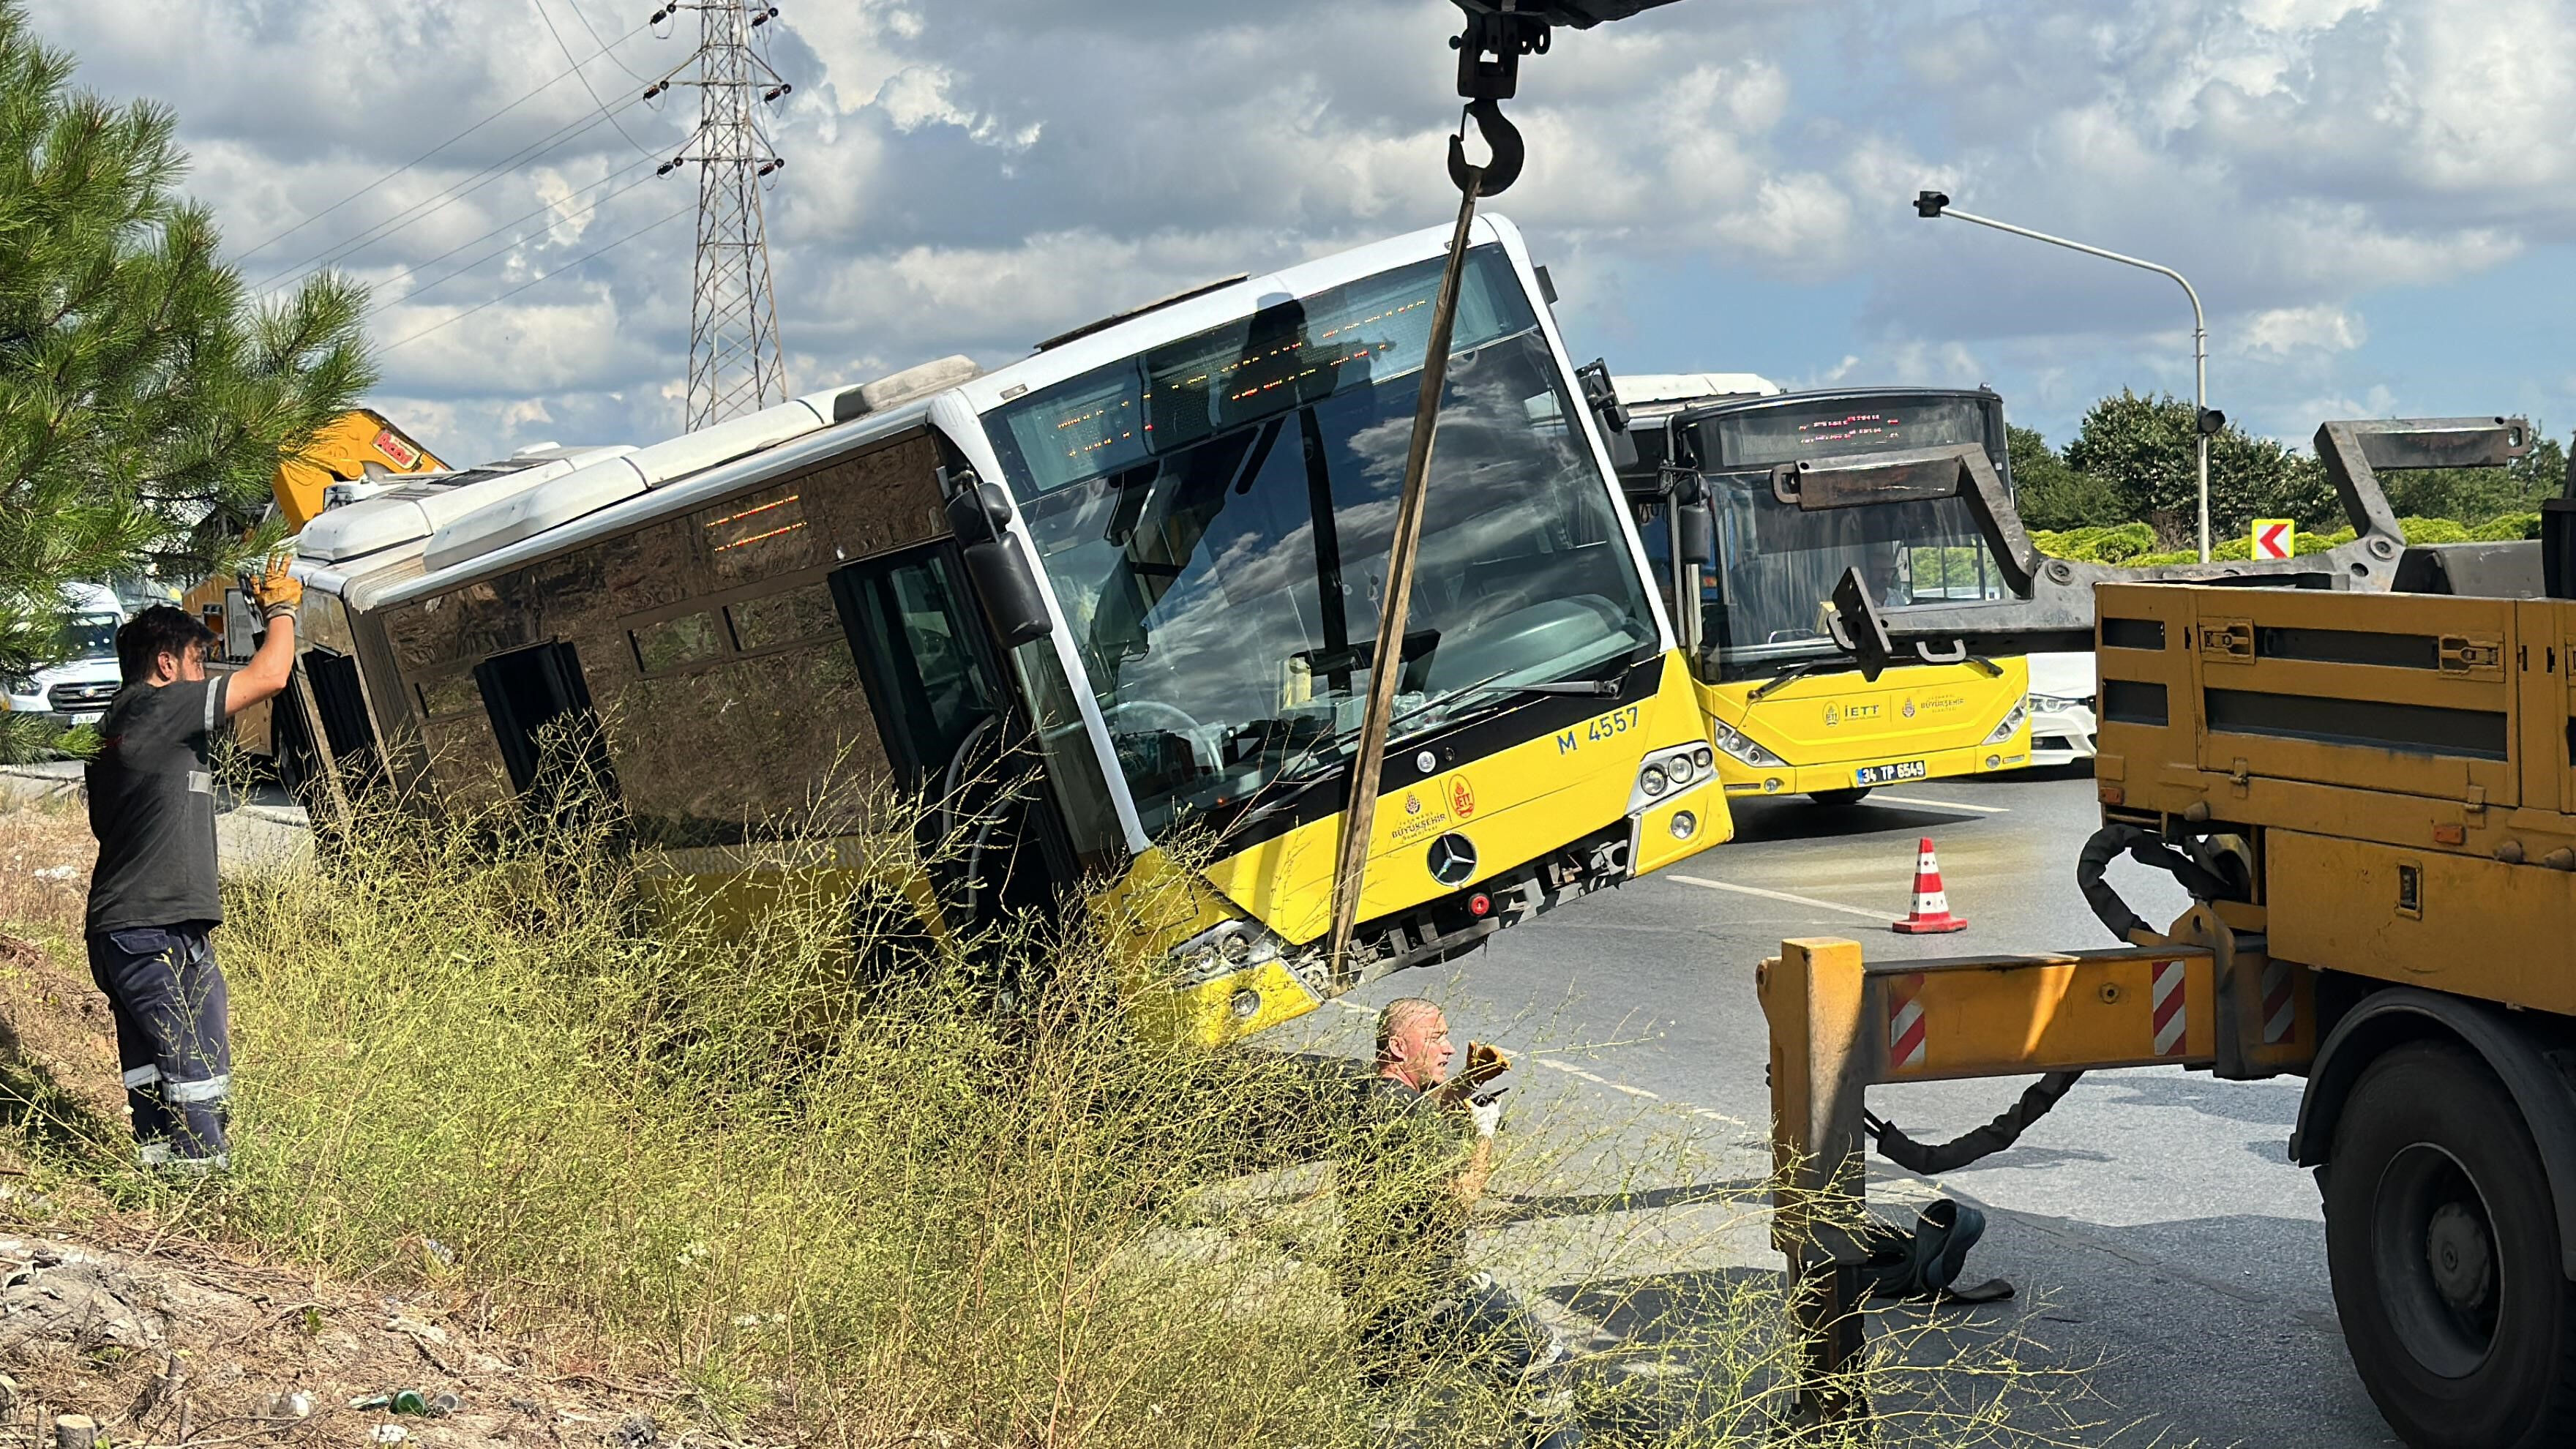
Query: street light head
[1928,204]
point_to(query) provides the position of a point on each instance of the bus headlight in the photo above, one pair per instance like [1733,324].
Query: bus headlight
[1665,771]
[1741,747]
[2011,722]
[1221,951]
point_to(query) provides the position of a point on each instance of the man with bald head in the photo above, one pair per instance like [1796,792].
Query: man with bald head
[1428,1149]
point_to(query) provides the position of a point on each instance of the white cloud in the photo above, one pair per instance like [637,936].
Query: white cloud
[974,174]
[2282,331]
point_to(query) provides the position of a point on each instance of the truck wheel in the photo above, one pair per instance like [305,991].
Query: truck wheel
[2443,1244]
[1839,797]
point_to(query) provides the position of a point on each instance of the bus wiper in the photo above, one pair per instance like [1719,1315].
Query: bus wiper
[1318,759]
[1831,664]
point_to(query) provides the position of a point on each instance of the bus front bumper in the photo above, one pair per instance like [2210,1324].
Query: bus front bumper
[1742,780]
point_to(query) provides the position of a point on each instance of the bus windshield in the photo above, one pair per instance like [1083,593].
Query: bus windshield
[1767,599]
[1214,518]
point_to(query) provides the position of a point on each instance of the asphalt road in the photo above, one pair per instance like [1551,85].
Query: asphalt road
[2158,1236]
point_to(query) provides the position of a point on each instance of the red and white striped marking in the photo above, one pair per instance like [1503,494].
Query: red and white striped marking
[2280,1003]
[2167,996]
[1905,1035]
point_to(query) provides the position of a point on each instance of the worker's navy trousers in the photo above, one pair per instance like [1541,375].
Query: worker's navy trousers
[168,996]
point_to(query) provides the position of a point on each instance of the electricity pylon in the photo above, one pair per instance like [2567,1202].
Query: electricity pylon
[735,366]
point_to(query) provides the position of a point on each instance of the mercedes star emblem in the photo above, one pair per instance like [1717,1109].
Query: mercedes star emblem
[1453,860]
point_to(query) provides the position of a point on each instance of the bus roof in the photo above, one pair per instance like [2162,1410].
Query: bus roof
[1642,389]
[1699,408]
[564,509]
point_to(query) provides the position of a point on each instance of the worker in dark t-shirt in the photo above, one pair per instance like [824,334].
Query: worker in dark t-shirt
[1428,1143]
[153,904]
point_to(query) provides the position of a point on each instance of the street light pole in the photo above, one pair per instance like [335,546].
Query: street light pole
[1931,204]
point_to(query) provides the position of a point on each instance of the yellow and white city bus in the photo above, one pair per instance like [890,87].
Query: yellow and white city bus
[1147,561]
[1788,713]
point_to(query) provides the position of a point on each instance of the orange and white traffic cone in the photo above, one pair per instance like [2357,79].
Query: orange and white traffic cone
[1931,914]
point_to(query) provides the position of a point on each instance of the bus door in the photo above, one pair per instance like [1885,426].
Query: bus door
[953,734]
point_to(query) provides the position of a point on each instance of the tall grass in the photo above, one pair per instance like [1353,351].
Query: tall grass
[854,1182]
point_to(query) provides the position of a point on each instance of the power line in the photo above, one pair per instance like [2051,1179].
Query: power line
[570,131]
[540,281]
[595,40]
[525,216]
[443,145]
[593,91]
[513,243]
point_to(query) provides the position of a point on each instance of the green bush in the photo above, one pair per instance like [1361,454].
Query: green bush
[2116,543]
[2506,527]
[2433,530]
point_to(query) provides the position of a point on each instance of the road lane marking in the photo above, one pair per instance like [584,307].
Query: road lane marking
[1574,1071]
[1719,885]
[1943,804]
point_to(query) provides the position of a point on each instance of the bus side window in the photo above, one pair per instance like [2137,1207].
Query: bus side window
[548,734]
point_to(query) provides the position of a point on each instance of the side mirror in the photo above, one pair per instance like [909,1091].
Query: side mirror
[1698,528]
[1602,395]
[978,513]
[1693,517]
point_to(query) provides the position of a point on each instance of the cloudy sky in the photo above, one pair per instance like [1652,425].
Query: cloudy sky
[2377,198]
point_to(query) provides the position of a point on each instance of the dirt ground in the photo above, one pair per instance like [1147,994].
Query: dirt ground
[168,1340]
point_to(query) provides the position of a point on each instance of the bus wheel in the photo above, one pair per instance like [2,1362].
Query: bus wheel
[2443,1243]
[1839,797]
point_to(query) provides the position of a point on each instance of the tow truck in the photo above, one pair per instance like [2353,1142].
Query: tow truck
[2362,767]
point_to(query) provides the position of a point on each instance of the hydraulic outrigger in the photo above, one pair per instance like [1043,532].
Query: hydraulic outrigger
[2362,767]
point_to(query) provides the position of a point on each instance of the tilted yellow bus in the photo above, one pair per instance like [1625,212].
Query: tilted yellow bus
[1146,560]
[1788,714]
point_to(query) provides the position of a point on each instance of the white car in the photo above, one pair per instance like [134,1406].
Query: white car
[76,691]
[2061,709]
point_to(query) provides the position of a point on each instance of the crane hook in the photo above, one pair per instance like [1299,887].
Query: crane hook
[1501,137]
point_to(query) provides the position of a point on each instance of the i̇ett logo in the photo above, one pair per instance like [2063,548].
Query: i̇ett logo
[1462,797]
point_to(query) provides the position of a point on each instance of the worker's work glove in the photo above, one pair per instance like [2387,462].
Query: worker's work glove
[1484,1063]
[277,592]
[1486,1113]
